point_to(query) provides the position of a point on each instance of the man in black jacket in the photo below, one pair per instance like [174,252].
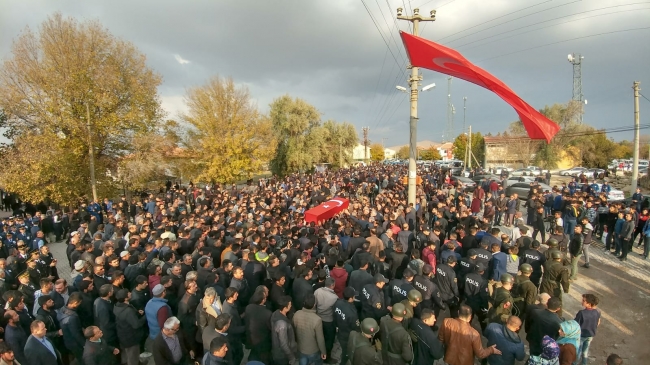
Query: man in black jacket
[575,249]
[301,288]
[131,324]
[104,316]
[257,319]
[68,318]
[47,315]
[285,347]
[140,294]
[96,351]
[428,347]
[543,322]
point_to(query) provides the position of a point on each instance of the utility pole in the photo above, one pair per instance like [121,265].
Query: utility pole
[91,154]
[464,111]
[414,82]
[576,61]
[469,148]
[635,164]
[447,136]
[365,143]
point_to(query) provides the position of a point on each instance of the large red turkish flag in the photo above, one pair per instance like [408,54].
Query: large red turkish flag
[327,210]
[426,54]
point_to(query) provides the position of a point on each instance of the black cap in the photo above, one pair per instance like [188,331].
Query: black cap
[349,292]
[472,252]
[379,278]
[451,259]
[480,267]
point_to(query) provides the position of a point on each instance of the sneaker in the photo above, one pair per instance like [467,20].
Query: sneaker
[586,266]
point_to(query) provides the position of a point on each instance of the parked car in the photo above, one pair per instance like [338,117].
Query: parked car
[537,171]
[614,195]
[573,171]
[517,179]
[523,172]
[466,182]
[589,173]
[499,169]
[522,189]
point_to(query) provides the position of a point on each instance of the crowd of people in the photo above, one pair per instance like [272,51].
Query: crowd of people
[202,274]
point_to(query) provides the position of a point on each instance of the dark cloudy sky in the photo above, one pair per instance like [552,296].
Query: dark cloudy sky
[330,53]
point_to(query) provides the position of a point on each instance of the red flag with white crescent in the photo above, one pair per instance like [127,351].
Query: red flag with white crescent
[327,210]
[433,56]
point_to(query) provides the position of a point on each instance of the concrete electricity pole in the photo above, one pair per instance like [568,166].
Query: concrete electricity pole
[449,111]
[414,82]
[635,164]
[365,143]
[469,148]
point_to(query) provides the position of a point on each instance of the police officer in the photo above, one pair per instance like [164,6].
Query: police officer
[535,259]
[524,290]
[448,285]
[431,298]
[475,292]
[466,265]
[373,302]
[360,346]
[346,318]
[35,274]
[556,277]
[396,344]
[27,289]
[484,256]
[399,288]
[502,301]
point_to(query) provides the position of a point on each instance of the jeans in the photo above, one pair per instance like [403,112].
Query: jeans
[585,342]
[646,246]
[618,245]
[574,267]
[310,359]
[569,226]
[585,252]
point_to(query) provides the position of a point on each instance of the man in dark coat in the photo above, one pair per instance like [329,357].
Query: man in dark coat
[96,351]
[428,347]
[257,320]
[104,316]
[543,322]
[70,322]
[131,325]
[15,336]
[39,350]
[162,354]
[301,288]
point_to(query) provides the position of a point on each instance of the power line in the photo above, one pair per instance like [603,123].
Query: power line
[553,25]
[381,34]
[644,97]
[505,15]
[563,41]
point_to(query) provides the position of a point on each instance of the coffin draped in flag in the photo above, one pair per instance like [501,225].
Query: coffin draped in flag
[327,210]
[426,54]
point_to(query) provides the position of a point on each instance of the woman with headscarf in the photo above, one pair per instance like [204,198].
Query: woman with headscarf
[550,353]
[569,341]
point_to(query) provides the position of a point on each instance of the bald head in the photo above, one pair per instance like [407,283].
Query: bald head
[514,323]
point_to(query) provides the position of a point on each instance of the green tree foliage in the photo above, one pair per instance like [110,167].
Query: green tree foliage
[301,139]
[229,139]
[336,139]
[478,147]
[376,152]
[46,84]
[403,153]
[430,154]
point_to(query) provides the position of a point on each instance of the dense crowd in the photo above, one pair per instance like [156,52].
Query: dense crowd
[202,273]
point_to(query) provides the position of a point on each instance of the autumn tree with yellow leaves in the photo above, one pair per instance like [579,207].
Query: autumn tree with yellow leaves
[228,139]
[47,84]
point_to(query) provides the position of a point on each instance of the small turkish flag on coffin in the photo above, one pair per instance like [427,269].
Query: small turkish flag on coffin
[327,210]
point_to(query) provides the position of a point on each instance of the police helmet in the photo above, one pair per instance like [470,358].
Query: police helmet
[526,268]
[414,296]
[369,326]
[556,255]
[399,310]
[552,242]
[507,278]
